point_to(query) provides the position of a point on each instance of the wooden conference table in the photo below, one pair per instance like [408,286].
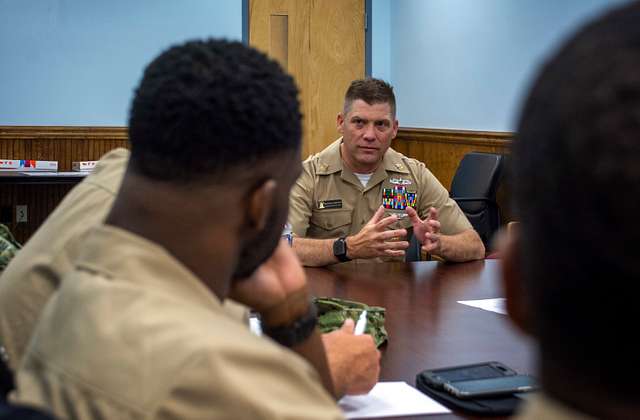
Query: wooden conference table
[427,328]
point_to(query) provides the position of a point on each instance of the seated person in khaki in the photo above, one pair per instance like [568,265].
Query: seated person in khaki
[358,198]
[571,269]
[136,329]
[34,274]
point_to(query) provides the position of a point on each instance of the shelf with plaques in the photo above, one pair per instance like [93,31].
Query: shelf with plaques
[41,177]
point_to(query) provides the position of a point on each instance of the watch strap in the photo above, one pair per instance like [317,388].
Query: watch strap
[340,249]
[296,332]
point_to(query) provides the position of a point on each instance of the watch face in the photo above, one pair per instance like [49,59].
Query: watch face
[339,247]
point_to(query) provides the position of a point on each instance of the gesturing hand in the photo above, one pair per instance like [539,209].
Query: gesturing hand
[354,361]
[375,240]
[277,289]
[427,231]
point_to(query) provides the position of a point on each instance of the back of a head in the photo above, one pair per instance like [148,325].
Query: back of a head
[204,108]
[576,173]
[372,91]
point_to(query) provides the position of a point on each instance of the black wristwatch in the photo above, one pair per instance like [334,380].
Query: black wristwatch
[340,249]
[296,332]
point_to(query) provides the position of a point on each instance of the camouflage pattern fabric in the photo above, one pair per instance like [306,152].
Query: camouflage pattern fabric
[332,312]
[8,246]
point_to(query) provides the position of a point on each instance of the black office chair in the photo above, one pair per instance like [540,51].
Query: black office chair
[6,378]
[474,188]
[12,411]
[413,253]
[16,412]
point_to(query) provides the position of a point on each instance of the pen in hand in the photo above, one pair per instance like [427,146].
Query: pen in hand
[361,325]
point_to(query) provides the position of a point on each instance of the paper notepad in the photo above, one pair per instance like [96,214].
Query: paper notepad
[390,399]
[497,305]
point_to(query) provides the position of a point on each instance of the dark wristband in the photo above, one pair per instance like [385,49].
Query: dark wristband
[340,249]
[296,332]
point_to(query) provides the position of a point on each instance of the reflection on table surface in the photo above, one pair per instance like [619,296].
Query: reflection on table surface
[427,328]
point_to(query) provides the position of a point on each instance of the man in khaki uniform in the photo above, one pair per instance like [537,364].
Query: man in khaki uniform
[36,271]
[571,269]
[137,327]
[358,197]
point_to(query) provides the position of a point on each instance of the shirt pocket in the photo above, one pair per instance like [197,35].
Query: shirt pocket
[330,224]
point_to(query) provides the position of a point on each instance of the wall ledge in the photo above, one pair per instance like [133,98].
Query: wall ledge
[12,132]
[466,137]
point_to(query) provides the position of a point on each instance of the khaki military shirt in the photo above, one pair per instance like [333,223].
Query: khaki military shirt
[35,272]
[540,406]
[328,200]
[132,334]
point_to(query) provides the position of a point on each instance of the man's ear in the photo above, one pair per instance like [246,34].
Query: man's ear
[518,306]
[340,122]
[395,128]
[261,203]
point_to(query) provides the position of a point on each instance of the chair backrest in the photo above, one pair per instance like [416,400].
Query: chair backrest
[474,188]
[413,253]
[6,377]
[16,412]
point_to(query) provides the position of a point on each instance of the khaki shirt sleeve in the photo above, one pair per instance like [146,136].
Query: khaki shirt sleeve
[236,311]
[301,200]
[434,194]
[265,384]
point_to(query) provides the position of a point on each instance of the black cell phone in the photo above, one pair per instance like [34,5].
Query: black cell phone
[490,387]
[436,378]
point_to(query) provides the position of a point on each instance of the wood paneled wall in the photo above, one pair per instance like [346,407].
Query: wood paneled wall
[442,151]
[63,144]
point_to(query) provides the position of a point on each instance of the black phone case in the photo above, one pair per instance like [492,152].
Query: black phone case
[487,406]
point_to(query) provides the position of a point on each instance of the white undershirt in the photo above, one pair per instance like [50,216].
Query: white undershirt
[364,178]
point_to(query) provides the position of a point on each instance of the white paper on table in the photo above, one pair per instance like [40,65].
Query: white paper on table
[255,325]
[389,399]
[498,305]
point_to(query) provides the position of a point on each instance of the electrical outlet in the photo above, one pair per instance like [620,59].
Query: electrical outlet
[21,214]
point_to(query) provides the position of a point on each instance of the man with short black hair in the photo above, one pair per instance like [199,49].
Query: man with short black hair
[360,199]
[571,271]
[137,328]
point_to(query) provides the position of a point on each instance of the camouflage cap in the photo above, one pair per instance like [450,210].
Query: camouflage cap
[8,246]
[332,312]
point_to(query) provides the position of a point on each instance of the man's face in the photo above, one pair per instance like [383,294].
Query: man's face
[286,169]
[367,131]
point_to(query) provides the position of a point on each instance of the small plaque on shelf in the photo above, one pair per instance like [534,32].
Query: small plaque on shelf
[28,165]
[84,166]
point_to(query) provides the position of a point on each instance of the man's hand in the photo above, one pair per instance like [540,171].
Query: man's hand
[354,361]
[277,289]
[427,231]
[375,240]
[462,246]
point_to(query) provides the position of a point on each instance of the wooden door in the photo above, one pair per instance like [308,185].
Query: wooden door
[321,43]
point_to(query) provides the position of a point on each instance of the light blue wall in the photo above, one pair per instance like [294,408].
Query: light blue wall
[381,39]
[454,63]
[76,62]
[465,64]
